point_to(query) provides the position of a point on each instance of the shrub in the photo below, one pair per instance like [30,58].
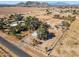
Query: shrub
[56,16]
[48,12]
[71,18]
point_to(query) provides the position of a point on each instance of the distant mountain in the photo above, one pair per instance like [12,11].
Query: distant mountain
[42,4]
[21,4]
[65,3]
[33,3]
[6,5]
[58,3]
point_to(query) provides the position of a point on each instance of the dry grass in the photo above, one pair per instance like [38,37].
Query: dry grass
[69,45]
[70,42]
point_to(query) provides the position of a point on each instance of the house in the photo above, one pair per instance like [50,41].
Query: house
[13,24]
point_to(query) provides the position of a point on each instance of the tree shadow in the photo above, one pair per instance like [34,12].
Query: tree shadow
[51,35]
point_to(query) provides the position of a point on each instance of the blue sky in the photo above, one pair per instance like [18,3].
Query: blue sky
[9,2]
[14,2]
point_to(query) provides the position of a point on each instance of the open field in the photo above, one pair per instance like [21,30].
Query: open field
[69,44]
[25,10]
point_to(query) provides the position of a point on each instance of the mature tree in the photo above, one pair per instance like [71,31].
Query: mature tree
[16,17]
[32,23]
[2,23]
[42,33]
[15,29]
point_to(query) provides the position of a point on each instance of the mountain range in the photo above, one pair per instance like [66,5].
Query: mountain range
[65,3]
[41,3]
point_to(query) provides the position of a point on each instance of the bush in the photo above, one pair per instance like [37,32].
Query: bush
[65,24]
[74,12]
[71,18]
[56,16]
[48,12]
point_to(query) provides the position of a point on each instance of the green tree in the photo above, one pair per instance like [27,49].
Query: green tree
[16,17]
[32,23]
[42,33]
[2,23]
[15,29]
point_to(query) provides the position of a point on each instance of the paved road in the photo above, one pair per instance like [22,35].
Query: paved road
[13,48]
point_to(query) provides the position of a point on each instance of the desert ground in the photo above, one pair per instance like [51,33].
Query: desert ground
[67,46]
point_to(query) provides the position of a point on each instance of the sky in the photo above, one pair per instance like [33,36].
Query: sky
[49,1]
[9,2]
[39,0]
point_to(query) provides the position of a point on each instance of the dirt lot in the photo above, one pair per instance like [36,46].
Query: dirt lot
[9,10]
[68,46]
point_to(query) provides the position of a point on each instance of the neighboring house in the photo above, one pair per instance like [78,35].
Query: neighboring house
[56,11]
[16,23]
[13,24]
